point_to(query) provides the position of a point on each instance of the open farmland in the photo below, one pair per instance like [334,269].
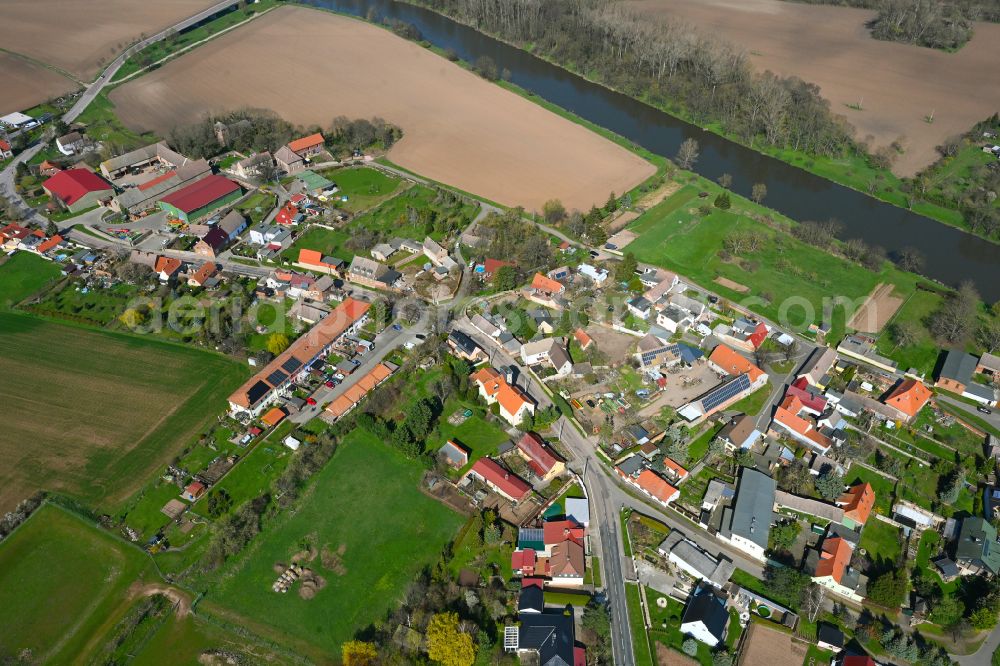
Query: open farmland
[57,560]
[458,128]
[25,83]
[94,414]
[80,40]
[371,531]
[898,84]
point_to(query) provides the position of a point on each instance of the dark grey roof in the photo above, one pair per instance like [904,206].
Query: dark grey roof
[947,566]
[632,465]
[830,634]
[552,634]
[978,544]
[463,342]
[532,599]
[753,510]
[707,607]
[981,390]
[958,366]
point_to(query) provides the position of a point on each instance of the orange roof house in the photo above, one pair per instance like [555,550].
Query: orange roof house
[584,339]
[834,559]
[53,242]
[909,397]
[357,391]
[273,417]
[857,503]
[656,487]
[166,266]
[673,469]
[786,416]
[307,144]
[727,360]
[546,284]
[494,388]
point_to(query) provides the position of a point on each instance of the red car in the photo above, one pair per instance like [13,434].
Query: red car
[330,384]
[310,401]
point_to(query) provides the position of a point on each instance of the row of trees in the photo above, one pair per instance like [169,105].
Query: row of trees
[667,64]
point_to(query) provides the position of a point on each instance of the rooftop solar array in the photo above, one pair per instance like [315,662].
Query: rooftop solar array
[726,392]
[291,365]
[257,391]
[650,356]
[276,378]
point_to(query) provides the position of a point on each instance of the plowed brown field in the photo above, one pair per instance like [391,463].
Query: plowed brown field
[26,84]
[898,84]
[458,128]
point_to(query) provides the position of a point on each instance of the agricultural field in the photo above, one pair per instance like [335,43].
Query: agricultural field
[56,33]
[57,559]
[94,414]
[366,531]
[828,46]
[26,83]
[22,275]
[511,150]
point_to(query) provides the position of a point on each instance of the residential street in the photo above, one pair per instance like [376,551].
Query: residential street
[993,419]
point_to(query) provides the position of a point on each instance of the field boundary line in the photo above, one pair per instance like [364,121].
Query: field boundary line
[53,68]
[175,54]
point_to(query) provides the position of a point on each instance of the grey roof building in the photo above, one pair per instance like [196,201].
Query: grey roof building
[750,517]
[977,549]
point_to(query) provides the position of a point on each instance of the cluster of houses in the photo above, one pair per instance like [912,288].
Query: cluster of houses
[17,237]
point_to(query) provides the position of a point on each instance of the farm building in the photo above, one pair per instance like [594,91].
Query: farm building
[307,145]
[200,198]
[78,189]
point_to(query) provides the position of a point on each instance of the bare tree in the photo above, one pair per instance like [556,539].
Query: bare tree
[910,259]
[726,180]
[758,192]
[688,154]
[812,601]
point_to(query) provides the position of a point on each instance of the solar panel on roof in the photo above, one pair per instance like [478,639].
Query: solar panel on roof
[651,355]
[726,392]
[257,391]
[276,377]
[291,365]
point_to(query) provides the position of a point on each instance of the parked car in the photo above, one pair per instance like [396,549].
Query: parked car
[330,384]
[984,410]
[397,327]
[420,336]
[310,400]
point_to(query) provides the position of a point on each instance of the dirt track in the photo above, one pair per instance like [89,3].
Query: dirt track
[26,84]
[458,128]
[830,46]
[877,310]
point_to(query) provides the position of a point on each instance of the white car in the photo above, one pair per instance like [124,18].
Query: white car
[410,344]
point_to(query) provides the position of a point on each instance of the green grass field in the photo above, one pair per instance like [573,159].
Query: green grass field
[364,187]
[366,501]
[681,238]
[640,640]
[63,585]
[881,540]
[22,275]
[93,413]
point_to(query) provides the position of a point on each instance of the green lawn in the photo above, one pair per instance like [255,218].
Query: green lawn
[186,639]
[753,403]
[365,502]
[666,627]
[882,541]
[882,486]
[257,206]
[480,436]
[103,125]
[364,187]
[699,447]
[688,241]
[95,414]
[923,353]
[22,275]
[640,640]
[63,585]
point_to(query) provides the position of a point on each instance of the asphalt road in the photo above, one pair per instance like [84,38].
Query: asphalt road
[993,419]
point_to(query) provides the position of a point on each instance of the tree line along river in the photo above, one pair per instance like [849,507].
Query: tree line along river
[951,255]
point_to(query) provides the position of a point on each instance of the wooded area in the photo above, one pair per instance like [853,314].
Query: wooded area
[666,65]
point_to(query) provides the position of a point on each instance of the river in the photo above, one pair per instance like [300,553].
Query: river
[951,254]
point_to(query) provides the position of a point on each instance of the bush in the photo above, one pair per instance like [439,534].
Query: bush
[722,201]
[690,647]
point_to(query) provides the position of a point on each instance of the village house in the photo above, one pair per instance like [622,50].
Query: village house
[977,549]
[485,326]
[726,361]
[193,491]
[745,334]
[555,551]
[857,503]
[551,351]
[307,146]
[212,243]
[454,454]
[634,470]
[816,370]
[289,216]
[957,375]
[500,480]
[788,420]
[6,152]
[514,404]
[543,636]
[464,347]
[258,391]
[357,391]
[200,198]
[687,556]
[829,565]
[640,306]
[255,166]
[706,617]
[739,433]
[78,189]
[583,339]
[907,399]
[747,523]
[596,275]
[438,255]
[370,273]
[543,461]
[166,268]
[72,143]
[288,161]
[314,260]
[731,390]
[989,366]
[545,291]
[205,272]
[862,348]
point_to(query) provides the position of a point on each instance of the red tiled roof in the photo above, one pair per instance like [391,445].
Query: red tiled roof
[656,486]
[14,230]
[582,337]
[834,559]
[306,142]
[206,271]
[195,488]
[730,361]
[675,468]
[286,214]
[156,181]
[855,660]
[200,193]
[521,560]
[167,265]
[508,482]
[909,397]
[544,283]
[491,266]
[72,185]
[557,531]
[758,336]
[541,458]
[49,244]
[858,502]
[813,401]
[4,145]
[275,416]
